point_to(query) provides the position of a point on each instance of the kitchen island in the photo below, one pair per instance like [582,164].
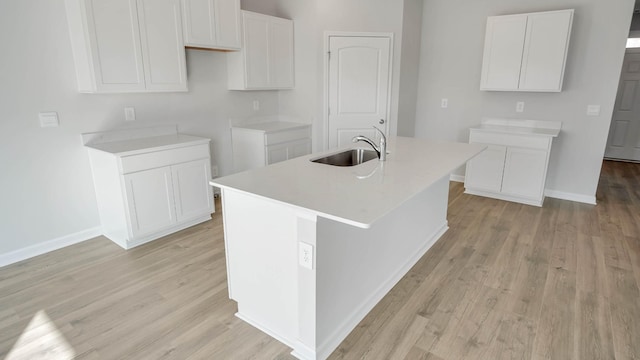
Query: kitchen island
[312,248]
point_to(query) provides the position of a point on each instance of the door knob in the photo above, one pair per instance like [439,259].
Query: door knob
[381,121]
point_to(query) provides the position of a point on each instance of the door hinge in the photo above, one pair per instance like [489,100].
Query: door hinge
[329,111]
[329,53]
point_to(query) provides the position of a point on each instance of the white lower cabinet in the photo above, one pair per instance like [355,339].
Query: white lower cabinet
[257,145]
[150,194]
[514,165]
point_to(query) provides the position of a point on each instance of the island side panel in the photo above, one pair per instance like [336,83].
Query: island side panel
[357,267]
[261,249]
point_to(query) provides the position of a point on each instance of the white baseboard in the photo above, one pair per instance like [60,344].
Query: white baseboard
[456,178]
[587,199]
[47,246]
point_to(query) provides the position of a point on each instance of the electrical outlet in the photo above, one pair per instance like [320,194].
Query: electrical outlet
[520,106]
[129,114]
[214,171]
[305,255]
[48,119]
[593,110]
[444,103]
[256,105]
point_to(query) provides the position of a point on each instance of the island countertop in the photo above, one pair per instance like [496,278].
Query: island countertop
[357,195]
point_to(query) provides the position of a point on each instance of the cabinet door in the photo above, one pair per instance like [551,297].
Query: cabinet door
[150,201]
[227,23]
[193,195]
[545,51]
[256,50]
[163,52]
[276,153]
[199,23]
[484,172]
[115,45]
[299,148]
[504,43]
[281,73]
[525,171]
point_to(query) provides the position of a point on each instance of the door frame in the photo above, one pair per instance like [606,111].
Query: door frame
[325,67]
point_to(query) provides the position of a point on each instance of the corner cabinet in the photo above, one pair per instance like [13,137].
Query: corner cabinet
[257,145]
[212,24]
[151,187]
[526,52]
[514,165]
[127,45]
[265,61]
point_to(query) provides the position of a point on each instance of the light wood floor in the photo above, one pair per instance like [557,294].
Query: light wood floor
[507,281]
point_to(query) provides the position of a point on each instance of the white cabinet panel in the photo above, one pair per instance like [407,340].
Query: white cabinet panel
[545,52]
[150,200]
[161,34]
[524,172]
[276,153]
[526,52]
[127,45]
[485,170]
[212,24]
[503,47]
[193,195]
[266,58]
[299,148]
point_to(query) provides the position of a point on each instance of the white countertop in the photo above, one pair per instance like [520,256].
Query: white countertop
[272,126]
[357,195]
[528,127]
[147,144]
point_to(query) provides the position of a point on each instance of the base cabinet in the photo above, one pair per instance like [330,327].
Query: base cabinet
[257,145]
[512,168]
[149,195]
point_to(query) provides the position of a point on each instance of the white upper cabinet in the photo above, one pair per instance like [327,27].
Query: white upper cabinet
[127,45]
[212,24]
[266,59]
[526,52]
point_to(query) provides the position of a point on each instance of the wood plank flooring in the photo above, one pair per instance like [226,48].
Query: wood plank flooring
[507,281]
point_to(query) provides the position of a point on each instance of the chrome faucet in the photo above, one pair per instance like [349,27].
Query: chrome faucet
[381,149]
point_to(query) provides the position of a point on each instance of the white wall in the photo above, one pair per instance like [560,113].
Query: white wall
[47,191]
[451,60]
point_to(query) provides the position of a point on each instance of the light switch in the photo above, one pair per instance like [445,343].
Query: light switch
[49,119]
[593,110]
[305,255]
[444,103]
[129,114]
[520,106]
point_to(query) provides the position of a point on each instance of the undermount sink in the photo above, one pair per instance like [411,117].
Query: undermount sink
[348,158]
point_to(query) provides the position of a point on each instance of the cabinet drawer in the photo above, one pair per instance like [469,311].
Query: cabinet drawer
[523,141]
[157,159]
[289,135]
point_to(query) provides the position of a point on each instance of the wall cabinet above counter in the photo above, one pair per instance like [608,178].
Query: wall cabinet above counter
[265,61]
[526,52]
[212,24]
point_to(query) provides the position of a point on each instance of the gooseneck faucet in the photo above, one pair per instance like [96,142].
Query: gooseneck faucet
[381,149]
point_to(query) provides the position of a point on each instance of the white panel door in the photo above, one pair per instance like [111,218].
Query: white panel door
[256,47]
[192,193]
[198,21]
[524,172]
[150,200]
[113,25]
[624,135]
[504,42]
[227,23]
[545,50]
[359,72]
[163,52]
[484,172]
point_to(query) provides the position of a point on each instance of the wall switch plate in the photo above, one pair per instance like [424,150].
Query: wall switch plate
[520,106]
[305,255]
[49,119]
[593,110]
[256,105]
[129,114]
[444,103]
[214,171]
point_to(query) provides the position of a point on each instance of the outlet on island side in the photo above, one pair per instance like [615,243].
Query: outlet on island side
[305,255]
